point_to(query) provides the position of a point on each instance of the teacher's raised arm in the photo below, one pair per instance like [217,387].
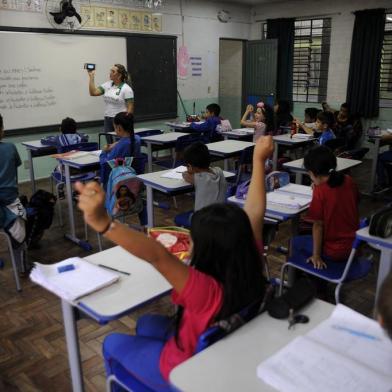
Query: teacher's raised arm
[117,94]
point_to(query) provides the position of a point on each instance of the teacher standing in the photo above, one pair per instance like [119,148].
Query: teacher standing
[117,94]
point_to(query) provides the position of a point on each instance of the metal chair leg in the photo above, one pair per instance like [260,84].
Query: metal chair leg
[282,272]
[337,293]
[13,261]
[59,205]
[99,242]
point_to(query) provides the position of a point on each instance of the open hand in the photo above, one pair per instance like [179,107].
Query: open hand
[91,203]
[317,262]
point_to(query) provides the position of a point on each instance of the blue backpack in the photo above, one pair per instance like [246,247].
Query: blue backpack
[123,188]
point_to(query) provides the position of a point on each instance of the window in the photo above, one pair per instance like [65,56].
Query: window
[386,65]
[311,56]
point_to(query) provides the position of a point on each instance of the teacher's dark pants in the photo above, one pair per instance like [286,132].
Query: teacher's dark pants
[108,127]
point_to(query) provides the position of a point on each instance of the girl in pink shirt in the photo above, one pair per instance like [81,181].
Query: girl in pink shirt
[261,120]
[225,275]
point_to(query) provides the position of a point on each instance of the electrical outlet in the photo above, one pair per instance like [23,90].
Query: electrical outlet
[26,164]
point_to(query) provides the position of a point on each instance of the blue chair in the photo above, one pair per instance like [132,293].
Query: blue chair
[337,273]
[58,176]
[122,380]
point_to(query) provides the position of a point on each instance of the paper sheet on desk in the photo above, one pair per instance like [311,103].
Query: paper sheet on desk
[296,189]
[84,279]
[287,200]
[176,173]
[356,357]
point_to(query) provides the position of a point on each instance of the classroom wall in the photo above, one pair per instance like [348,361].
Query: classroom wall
[196,26]
[341,35]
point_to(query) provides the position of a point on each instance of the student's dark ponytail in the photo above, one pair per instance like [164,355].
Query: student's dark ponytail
[126,121]
[335,178]
[321,161]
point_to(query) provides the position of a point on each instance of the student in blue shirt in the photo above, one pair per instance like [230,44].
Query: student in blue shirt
[12,212]
[212,121]
[127,146]
[324,122]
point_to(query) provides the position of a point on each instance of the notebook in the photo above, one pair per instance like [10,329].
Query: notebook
[302,136]
[296,189]
[72,284]
[287,200]
[346,352]
[176,173]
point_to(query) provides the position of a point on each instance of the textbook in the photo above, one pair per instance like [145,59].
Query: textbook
[287,200]
[296,189]
[72,278]
[346,352]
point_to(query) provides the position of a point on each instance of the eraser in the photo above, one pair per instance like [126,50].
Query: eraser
[65,268]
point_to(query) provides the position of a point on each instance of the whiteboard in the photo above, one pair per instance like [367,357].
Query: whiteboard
[42,79]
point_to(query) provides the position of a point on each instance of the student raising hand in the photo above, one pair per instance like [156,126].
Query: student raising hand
[91,202]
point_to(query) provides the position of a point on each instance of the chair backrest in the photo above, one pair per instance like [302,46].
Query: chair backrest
[246,158]
[149,132]
[186,140]
[224,327]
[335,144]
[87,146]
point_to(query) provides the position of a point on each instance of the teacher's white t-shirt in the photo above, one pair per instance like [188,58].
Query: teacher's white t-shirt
[116,97]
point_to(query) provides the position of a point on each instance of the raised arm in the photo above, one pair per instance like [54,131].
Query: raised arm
[93,90]
[244,121]
[91,202]
[256,199]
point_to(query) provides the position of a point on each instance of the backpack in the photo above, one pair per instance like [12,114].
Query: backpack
[275,180]
[123,188]
[40,211]
[381,223]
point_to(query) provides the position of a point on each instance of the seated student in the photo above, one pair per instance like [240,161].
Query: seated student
[208,127]
[128,145]
[384,305]
[225,275]
[309,125]
[210,183]
[324,122]
[333,210]
[384,167]
[69,135]
[12,212]
[347,125]
[263,120]
[283,117]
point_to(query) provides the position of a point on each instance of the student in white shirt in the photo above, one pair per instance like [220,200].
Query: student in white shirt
[117,94]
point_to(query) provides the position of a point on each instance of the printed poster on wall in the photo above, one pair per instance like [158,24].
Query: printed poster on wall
[123,19]
[22,5]
[100,16]
[112,18]
[147,22]
[87,14]
[157,22]
[135,20]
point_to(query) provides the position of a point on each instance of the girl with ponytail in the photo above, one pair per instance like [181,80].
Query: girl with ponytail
[333,211]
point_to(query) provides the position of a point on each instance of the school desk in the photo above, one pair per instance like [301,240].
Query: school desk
[114,136]
[143,285]
[385,247]
[227,149]
[278,212]
[230,364]
[239,134]
[287,140]
[297,167]
[87,162]
[167,140]
[376,142]
[169,186]
[36,149]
